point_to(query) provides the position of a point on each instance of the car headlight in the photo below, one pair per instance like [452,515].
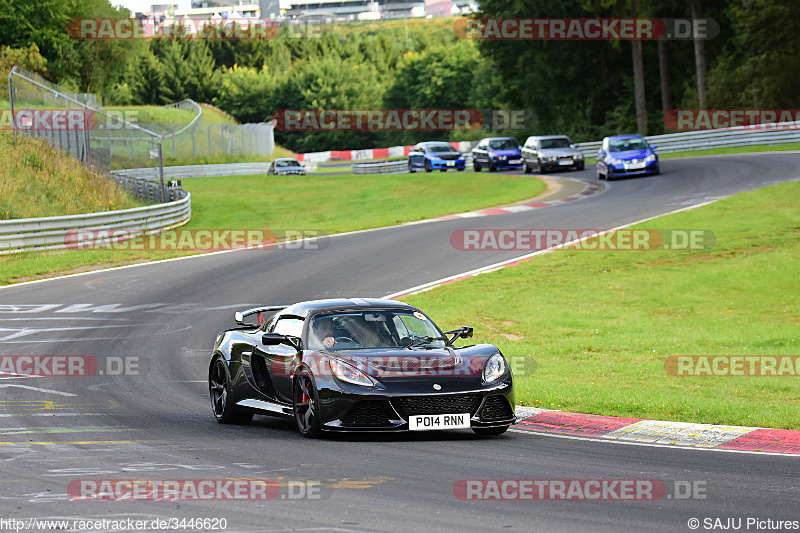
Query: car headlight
[494,368]
[548,158]
[651,157]
[615,161]
[350,374]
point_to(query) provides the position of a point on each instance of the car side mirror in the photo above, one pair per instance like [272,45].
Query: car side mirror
[572,145]
[653,146]
[464,332]
[274,339]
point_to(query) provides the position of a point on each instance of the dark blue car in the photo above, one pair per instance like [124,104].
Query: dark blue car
[497,153]
[430,155]
[626,155]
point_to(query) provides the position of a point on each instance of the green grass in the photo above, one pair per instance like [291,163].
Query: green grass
[37,180]
[600,324]
[330,204]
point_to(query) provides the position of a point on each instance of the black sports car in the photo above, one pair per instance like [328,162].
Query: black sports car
[358,365]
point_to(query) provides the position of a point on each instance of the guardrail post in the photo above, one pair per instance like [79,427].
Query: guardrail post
[11,101]
[161,169]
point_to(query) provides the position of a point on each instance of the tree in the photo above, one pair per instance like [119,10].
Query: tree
[146,80]
[700,60]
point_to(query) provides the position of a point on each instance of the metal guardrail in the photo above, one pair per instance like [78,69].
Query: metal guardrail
[384,167]
[204,171]
[197,171]
[784,132]
[392,167]
[49,233]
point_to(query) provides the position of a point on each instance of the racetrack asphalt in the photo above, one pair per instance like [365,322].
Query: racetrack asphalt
[157,424]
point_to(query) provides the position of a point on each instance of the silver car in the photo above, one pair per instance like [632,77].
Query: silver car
[550,152]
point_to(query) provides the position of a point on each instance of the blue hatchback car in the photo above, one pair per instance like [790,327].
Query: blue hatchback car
[430,155]
[626,155]
[495,153]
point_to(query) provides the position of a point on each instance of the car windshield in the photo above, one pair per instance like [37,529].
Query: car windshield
[441,148]
[504,144]
[364,330]
[623,145]
[287,163]
[561,142]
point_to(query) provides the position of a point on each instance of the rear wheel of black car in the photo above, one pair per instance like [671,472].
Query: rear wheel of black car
[411,167]
[490,432]
[306,406]
[428,166]
[219,386]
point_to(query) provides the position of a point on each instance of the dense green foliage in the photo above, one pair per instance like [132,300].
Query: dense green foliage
[582,88]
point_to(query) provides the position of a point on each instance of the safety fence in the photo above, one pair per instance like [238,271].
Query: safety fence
[778,133]
[116,138]
[49,233]
[391,167]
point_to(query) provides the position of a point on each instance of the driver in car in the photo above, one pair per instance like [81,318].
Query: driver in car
[323,329]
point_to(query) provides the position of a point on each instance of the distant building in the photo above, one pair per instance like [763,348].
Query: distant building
[318,11]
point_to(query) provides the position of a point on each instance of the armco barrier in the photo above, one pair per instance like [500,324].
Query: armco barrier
[48,233]
[196,171]
[387,167]
[784,132]
[391,167]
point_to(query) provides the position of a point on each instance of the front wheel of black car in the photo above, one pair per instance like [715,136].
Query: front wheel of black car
[306,406]
[219,386]
[490,432]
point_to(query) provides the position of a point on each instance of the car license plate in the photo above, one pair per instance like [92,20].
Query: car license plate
[565,162]
[430,422]
[451,163]
[516,161]
[635,166]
